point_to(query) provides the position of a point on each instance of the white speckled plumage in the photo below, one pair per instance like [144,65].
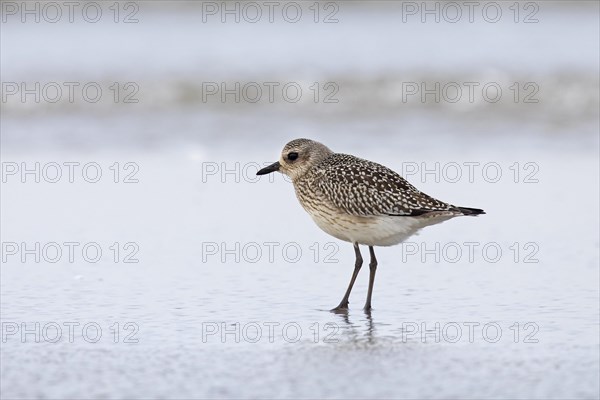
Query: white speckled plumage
[357,200]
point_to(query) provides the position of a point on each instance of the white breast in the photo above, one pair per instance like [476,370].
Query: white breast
[371,231]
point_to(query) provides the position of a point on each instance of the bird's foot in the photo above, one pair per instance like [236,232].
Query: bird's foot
[342,308]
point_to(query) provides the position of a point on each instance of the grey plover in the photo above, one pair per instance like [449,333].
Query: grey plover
[358,201]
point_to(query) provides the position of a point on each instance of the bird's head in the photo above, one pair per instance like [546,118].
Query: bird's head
[297,157]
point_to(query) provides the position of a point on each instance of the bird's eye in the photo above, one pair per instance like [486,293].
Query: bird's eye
[292,156]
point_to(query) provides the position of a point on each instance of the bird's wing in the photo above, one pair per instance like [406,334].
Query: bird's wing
[364,188]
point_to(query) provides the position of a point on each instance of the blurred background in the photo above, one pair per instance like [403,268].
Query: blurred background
[139,126]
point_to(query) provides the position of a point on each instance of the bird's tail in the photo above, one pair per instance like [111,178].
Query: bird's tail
[471,211]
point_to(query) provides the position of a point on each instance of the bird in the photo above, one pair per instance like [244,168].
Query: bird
[358,201]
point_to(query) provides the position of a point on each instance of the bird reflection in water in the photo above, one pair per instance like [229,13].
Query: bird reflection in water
[359,332]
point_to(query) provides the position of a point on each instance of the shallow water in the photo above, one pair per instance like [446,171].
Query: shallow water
[218,285]
[205,314]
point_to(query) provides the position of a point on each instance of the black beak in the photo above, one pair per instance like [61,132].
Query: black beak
[271,168]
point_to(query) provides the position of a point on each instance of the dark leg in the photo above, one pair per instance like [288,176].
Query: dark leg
[344,303]
[372,269]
